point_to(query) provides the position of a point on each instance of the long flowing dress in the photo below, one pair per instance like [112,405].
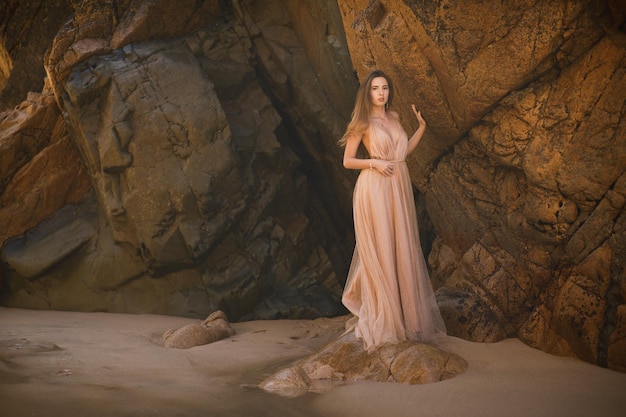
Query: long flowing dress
[388,288]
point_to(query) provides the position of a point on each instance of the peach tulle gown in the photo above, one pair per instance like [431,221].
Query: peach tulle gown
[388,288]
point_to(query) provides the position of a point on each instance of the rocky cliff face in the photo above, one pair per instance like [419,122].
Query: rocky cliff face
[182,158]
[523,165]
[193,172]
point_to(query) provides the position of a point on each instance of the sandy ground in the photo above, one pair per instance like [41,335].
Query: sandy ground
[100,364]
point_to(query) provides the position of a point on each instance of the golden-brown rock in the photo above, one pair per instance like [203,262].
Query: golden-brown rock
[344,360]
[523,162]
[40,170]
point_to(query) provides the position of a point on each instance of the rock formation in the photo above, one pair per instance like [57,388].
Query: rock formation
[213,328]
[181,158]
[345,360]
[192,135]
[40,170]
[523,165]
[26,29]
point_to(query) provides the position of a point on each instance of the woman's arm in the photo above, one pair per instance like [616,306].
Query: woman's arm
[417,136]
[350,161]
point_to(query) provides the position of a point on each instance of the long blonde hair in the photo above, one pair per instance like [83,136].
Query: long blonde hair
[363,106]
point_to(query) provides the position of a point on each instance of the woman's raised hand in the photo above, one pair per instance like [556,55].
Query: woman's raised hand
[418,114]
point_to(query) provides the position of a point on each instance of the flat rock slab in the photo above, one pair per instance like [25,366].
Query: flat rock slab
[345,360]
[50,242]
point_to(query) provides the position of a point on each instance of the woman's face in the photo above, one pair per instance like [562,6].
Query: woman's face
[379,91]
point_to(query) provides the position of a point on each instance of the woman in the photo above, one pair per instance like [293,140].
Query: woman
[388,288]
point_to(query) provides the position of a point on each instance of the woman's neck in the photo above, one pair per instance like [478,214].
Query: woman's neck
[379,114]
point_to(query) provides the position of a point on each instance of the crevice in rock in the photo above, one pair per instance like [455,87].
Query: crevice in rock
[613,296]
[332,238]
[375,12]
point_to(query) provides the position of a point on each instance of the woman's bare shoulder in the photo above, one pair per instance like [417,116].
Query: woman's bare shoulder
[393,114]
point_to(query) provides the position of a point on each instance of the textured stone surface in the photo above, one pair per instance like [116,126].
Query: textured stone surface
[52,240]
[195,136]
[40,170]
[344,360]
[523,163]
[467,316]
[26,29]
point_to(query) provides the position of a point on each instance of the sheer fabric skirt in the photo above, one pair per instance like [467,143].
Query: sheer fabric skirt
[388,288]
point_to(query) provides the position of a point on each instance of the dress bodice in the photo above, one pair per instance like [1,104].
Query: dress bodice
[384,146]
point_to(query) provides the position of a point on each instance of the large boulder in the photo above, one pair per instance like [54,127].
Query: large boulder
[195,136]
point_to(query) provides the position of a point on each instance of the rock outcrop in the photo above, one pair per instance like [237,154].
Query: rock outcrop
[195,136]
[40,169]
[26,29]
[523,163]
[345,360]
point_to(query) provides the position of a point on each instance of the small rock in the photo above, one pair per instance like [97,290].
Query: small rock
[215,327]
